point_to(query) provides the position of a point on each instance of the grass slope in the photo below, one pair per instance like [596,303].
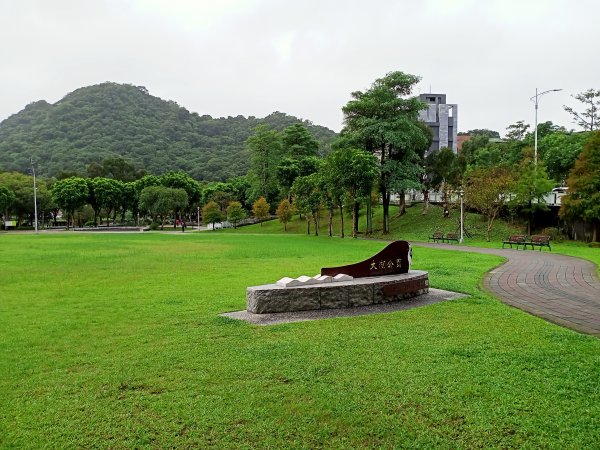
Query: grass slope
[114,341]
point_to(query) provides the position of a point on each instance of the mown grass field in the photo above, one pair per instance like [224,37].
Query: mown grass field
[115,341]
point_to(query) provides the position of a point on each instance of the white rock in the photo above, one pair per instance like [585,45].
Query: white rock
[287,281]
[306,280]
[342,277]
[323,278]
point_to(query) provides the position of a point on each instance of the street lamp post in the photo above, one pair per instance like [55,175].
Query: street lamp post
[461,193]
[34,196]
[535,100]
[198,213]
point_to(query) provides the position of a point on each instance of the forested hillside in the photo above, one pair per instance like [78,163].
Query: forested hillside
[113,119]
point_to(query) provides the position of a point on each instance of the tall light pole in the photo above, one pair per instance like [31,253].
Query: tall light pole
[461,193]
[198,212]
[535,100]
[34,196]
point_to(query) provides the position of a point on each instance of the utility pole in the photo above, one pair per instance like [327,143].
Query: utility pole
[536,101]
[34,196]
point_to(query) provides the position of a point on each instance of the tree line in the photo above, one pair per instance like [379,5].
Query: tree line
[379,153]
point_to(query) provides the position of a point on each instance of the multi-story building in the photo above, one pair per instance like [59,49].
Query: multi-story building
[442,119]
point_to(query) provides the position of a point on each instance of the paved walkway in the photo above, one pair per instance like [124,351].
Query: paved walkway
[558,288]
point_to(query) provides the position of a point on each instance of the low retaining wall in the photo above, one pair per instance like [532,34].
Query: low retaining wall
[271,298]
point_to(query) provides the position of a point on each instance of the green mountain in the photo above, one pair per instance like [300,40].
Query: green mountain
[111,119]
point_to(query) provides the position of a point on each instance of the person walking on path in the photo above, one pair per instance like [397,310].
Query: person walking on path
[183,226]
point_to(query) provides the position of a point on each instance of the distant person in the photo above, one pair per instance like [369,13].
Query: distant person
[183,226]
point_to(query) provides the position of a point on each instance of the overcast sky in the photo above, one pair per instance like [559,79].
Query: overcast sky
[305,57]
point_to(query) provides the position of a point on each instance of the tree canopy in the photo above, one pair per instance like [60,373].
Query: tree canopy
[89,129]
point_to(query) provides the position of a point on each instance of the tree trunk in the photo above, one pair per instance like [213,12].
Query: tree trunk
[330,222]
[385,197]
[307,224]
[355,211]
[342,220]
[425,202]
[402,204]
[316,221]
[369,226]
[594,231]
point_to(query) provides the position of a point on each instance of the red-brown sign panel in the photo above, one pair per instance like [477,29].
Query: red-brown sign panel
[393,259]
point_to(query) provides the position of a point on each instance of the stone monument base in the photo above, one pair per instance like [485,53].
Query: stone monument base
[272,298]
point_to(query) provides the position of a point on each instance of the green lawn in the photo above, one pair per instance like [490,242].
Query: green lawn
[113,340]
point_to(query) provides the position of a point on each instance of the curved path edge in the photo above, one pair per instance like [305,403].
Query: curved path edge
[561,289]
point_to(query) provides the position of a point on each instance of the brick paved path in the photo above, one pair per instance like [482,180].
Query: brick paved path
[558,288]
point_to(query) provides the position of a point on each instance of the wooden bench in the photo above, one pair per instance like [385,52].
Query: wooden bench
[451,237]
[438,236]
[516,239]
[538,240]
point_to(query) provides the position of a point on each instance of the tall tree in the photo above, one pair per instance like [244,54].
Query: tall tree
[381,121]
[583,198]
[350,173]
[108,193]
[285,212]
[307,198]
[70,194]
[260,209]
[588,118]
[7,197]
[161,201]
[265,148]
[560,151]
[446,169]
[298,142]
[211,213]
[235,213]
[531,184]
[488,190]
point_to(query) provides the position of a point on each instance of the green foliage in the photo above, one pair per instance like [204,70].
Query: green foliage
[487,190]
[583,198]
[70,194]
[108,194]
[22,188]
[531,184]
[381,120]
[265,148]
[7,197]
[235,213]
[111,128]
[560,151]
[160,201]
[211,213]
[298,142]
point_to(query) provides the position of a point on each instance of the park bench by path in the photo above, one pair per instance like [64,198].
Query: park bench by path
[515,239]
[538,240]
[451,237]
[438,236]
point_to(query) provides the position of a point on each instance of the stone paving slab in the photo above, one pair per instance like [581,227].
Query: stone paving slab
[434,296]
[558,288]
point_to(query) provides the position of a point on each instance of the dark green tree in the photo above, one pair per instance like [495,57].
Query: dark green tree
[211,213]
[583,198]
[382,121]
[7,197]
[265,148]
[70,194]
[298,142]
[530,187]
[235,213]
